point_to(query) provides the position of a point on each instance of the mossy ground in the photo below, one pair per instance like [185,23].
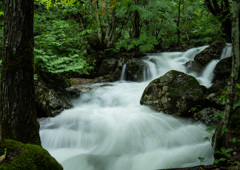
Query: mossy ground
[21,156]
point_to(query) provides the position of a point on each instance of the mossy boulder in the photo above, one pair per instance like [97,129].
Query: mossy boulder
[18,156]
[173,93]
[212,52]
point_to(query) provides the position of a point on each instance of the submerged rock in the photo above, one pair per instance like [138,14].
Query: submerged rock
[194,67]
[173,93]
[135,69]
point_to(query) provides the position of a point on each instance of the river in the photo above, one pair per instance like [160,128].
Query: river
[108,129]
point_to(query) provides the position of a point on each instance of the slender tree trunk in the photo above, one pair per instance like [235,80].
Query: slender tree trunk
[100,32]
[110,33]
[136,26]
[178,21]
[186,21]
[18,120]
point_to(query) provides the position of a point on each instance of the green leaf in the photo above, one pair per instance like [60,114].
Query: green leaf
[201,159]
[222,159]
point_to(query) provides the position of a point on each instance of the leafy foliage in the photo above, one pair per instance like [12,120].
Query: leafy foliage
[58,45]
[64,29]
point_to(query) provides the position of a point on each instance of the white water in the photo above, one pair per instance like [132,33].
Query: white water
[123,72]
[208,73]
[107,129]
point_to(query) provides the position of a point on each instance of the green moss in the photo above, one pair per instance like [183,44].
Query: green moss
[26,156]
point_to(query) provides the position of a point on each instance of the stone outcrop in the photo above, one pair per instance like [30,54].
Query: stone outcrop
[173,93]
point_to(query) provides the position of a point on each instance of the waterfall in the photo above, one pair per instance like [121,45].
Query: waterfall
[123,73]
[208,72]
[160,63]
[108,129]
[227,51]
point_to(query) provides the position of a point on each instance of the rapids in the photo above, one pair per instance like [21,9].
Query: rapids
[108,129]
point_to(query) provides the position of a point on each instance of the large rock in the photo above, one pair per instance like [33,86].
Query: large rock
[223,69]
[214,51]
[174,93]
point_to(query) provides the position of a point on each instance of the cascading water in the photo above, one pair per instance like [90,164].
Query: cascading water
[208,74]
[123,72]
[108,129]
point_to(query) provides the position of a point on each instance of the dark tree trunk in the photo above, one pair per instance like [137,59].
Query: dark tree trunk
[186,21]
[18,120]
[221,10]
[136,25]
[235,62]
[220,136]
[178,22]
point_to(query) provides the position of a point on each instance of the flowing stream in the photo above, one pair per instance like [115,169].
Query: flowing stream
[108,129]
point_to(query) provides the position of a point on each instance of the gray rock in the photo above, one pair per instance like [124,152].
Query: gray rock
[212,52]
[174,93]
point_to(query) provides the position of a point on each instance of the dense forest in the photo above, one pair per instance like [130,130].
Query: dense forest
[68,37]
[71,39]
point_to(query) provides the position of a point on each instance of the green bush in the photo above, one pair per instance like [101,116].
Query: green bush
[59,47]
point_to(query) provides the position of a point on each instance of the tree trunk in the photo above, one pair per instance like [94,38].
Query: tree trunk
[136,25]
[186,21]
[220,139]
[18,119]
[235,62]
[221,10]
[178,21]
[100,32]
